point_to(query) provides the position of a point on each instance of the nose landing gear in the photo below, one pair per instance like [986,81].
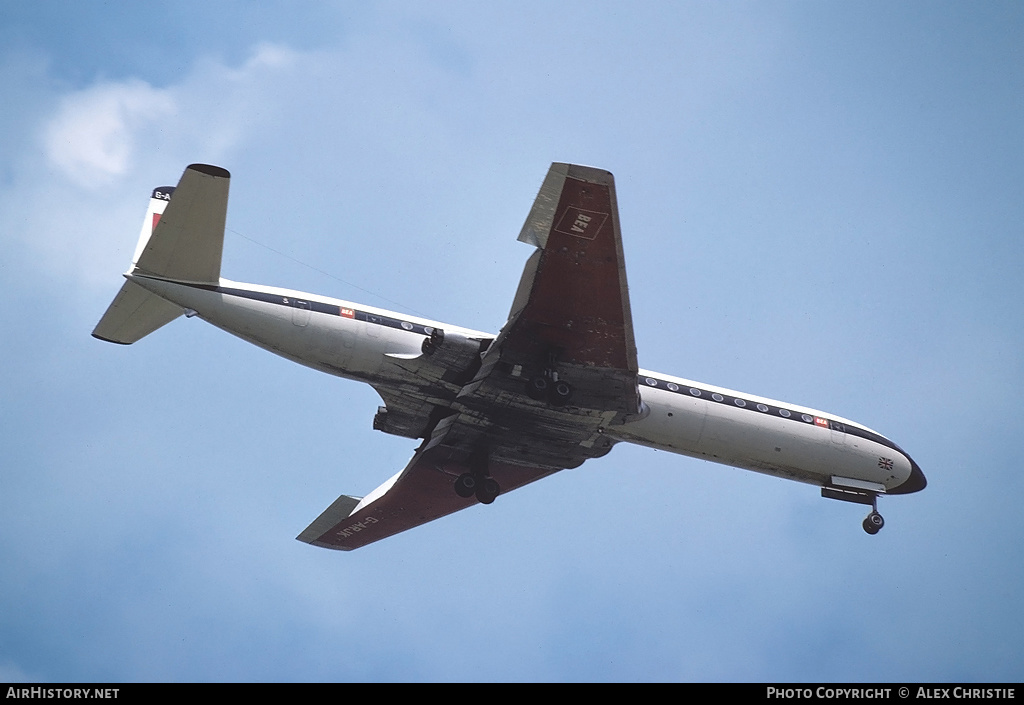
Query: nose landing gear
[873,523]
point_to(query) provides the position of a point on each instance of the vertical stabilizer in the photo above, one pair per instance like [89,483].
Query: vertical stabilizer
[187,240]
[182,238]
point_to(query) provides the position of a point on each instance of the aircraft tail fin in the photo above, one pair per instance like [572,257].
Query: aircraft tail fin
[182,239]
[186,237]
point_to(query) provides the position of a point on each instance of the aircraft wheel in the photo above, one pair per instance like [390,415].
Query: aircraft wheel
[488,490]
[537,388]
[466,485]
[873,523]
[560,393]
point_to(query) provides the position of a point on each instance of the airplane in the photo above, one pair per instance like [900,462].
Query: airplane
[558,385]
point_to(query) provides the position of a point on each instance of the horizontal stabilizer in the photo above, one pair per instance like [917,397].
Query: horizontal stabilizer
[133,314]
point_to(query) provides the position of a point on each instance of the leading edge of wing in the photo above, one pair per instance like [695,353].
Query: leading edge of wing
[420,493]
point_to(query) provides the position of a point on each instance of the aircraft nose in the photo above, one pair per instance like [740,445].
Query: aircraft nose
[915,483]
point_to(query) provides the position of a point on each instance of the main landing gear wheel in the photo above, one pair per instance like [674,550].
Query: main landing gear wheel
[537,388]
[487,490]
[466,485]
[559,394]
[544,388]
[873,522]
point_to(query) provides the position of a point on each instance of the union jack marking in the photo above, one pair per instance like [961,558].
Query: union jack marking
[885,463]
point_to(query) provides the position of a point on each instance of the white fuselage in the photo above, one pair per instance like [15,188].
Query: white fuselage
[700,420]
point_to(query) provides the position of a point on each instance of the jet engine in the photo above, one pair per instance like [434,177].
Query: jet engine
[457,354]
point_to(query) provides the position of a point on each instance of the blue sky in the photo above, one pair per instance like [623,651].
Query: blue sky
[820,202]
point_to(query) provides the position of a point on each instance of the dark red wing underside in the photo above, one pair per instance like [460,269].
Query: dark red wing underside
[424,492]
[579,302]
[571,323]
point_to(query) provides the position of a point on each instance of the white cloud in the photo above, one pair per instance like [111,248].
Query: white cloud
[87,158]
[92,139]
[78,178]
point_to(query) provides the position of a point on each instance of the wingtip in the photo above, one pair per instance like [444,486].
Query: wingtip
[583,172]
[109,340]
[211,170]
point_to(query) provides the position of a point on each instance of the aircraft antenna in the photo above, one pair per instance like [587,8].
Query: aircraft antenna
[410,309]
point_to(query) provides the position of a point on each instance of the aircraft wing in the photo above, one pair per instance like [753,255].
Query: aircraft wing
[422,492]
[571,323]
[571,310]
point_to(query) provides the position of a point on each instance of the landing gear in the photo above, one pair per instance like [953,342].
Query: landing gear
[559,394]
[466,485]
[486,489]
[873,522]
[537,388]
[547,387]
